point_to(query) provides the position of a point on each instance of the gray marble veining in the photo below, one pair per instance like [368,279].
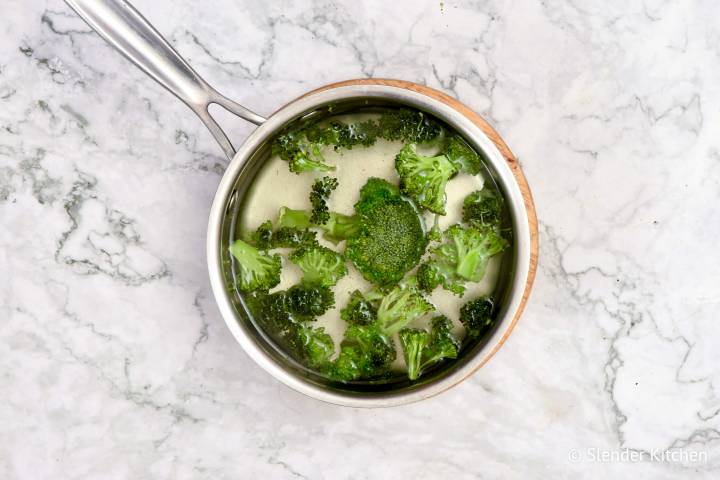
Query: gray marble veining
[114,362]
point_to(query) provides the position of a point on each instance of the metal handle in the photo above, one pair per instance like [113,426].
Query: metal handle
[126,29]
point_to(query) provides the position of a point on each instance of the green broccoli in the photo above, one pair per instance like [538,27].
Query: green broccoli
[390,239]
[385,237]
[308,301]
[363,133]
[358,310]
[302,154]
[409,126]
[289,218]
[365,353]
[477,316]
[301,146]
[423,349]
[320,265]
[321,190]
[278,314]
[262,237]
[462,155]
[256,270]
[290,237]
[401,306]
[437,271]
[311,346]
[340,227]
[337,228]
[470,248]
[424,178]
[265,238]
[483,207]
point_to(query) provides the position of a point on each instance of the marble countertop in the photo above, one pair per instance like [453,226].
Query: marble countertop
[115,363]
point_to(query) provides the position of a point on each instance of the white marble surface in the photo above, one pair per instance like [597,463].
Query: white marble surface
[114,361]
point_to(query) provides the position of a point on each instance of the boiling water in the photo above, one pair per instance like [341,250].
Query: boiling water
[276,186]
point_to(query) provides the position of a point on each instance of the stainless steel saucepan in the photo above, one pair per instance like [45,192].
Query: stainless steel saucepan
[125,29]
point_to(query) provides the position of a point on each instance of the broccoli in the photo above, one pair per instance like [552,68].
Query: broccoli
[307,301]
[409,126]
[290,218]
[358,310]
[462,155]
[301,153]
[337,228]
[400,306]
[301,146]
[265,238]
[321,190]
[390,239]
[477,316]
[436,272]
[320,265]
[257,270]
[362,133]
[423,349]
[365,352]
[262,237]
[464,257]
[471,248]
[290,237]
[340,227]
[275,312]
[385,237]
[375,191]
[424,178]
[484,207]
[311,346]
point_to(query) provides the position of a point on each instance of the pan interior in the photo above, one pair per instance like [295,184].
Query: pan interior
[230,230]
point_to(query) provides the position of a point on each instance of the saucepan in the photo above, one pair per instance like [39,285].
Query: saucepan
[120,24]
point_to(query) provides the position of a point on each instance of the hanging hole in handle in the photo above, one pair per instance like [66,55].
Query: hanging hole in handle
[234,127]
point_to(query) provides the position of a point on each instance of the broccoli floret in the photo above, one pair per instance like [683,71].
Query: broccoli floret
[375,191]
[265,238]
[462,155]
[290,237]
[436,272]
[464,257]
[302,154]
[321,190]
[400,306]
[340,227]
[308,345]
[484,207]
[365,352]
[358,310]
[442,342]
[413,341]
[309,301]
[424,178]
[290,218]
[262,238]
[311,346]
[477,316]
[337,228]
[471,247]
[320,265]
[302,146]
[390,239]
[423,349]
[257,270]
[409,126]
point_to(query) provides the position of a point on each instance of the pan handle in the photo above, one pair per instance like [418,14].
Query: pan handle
[126,29]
